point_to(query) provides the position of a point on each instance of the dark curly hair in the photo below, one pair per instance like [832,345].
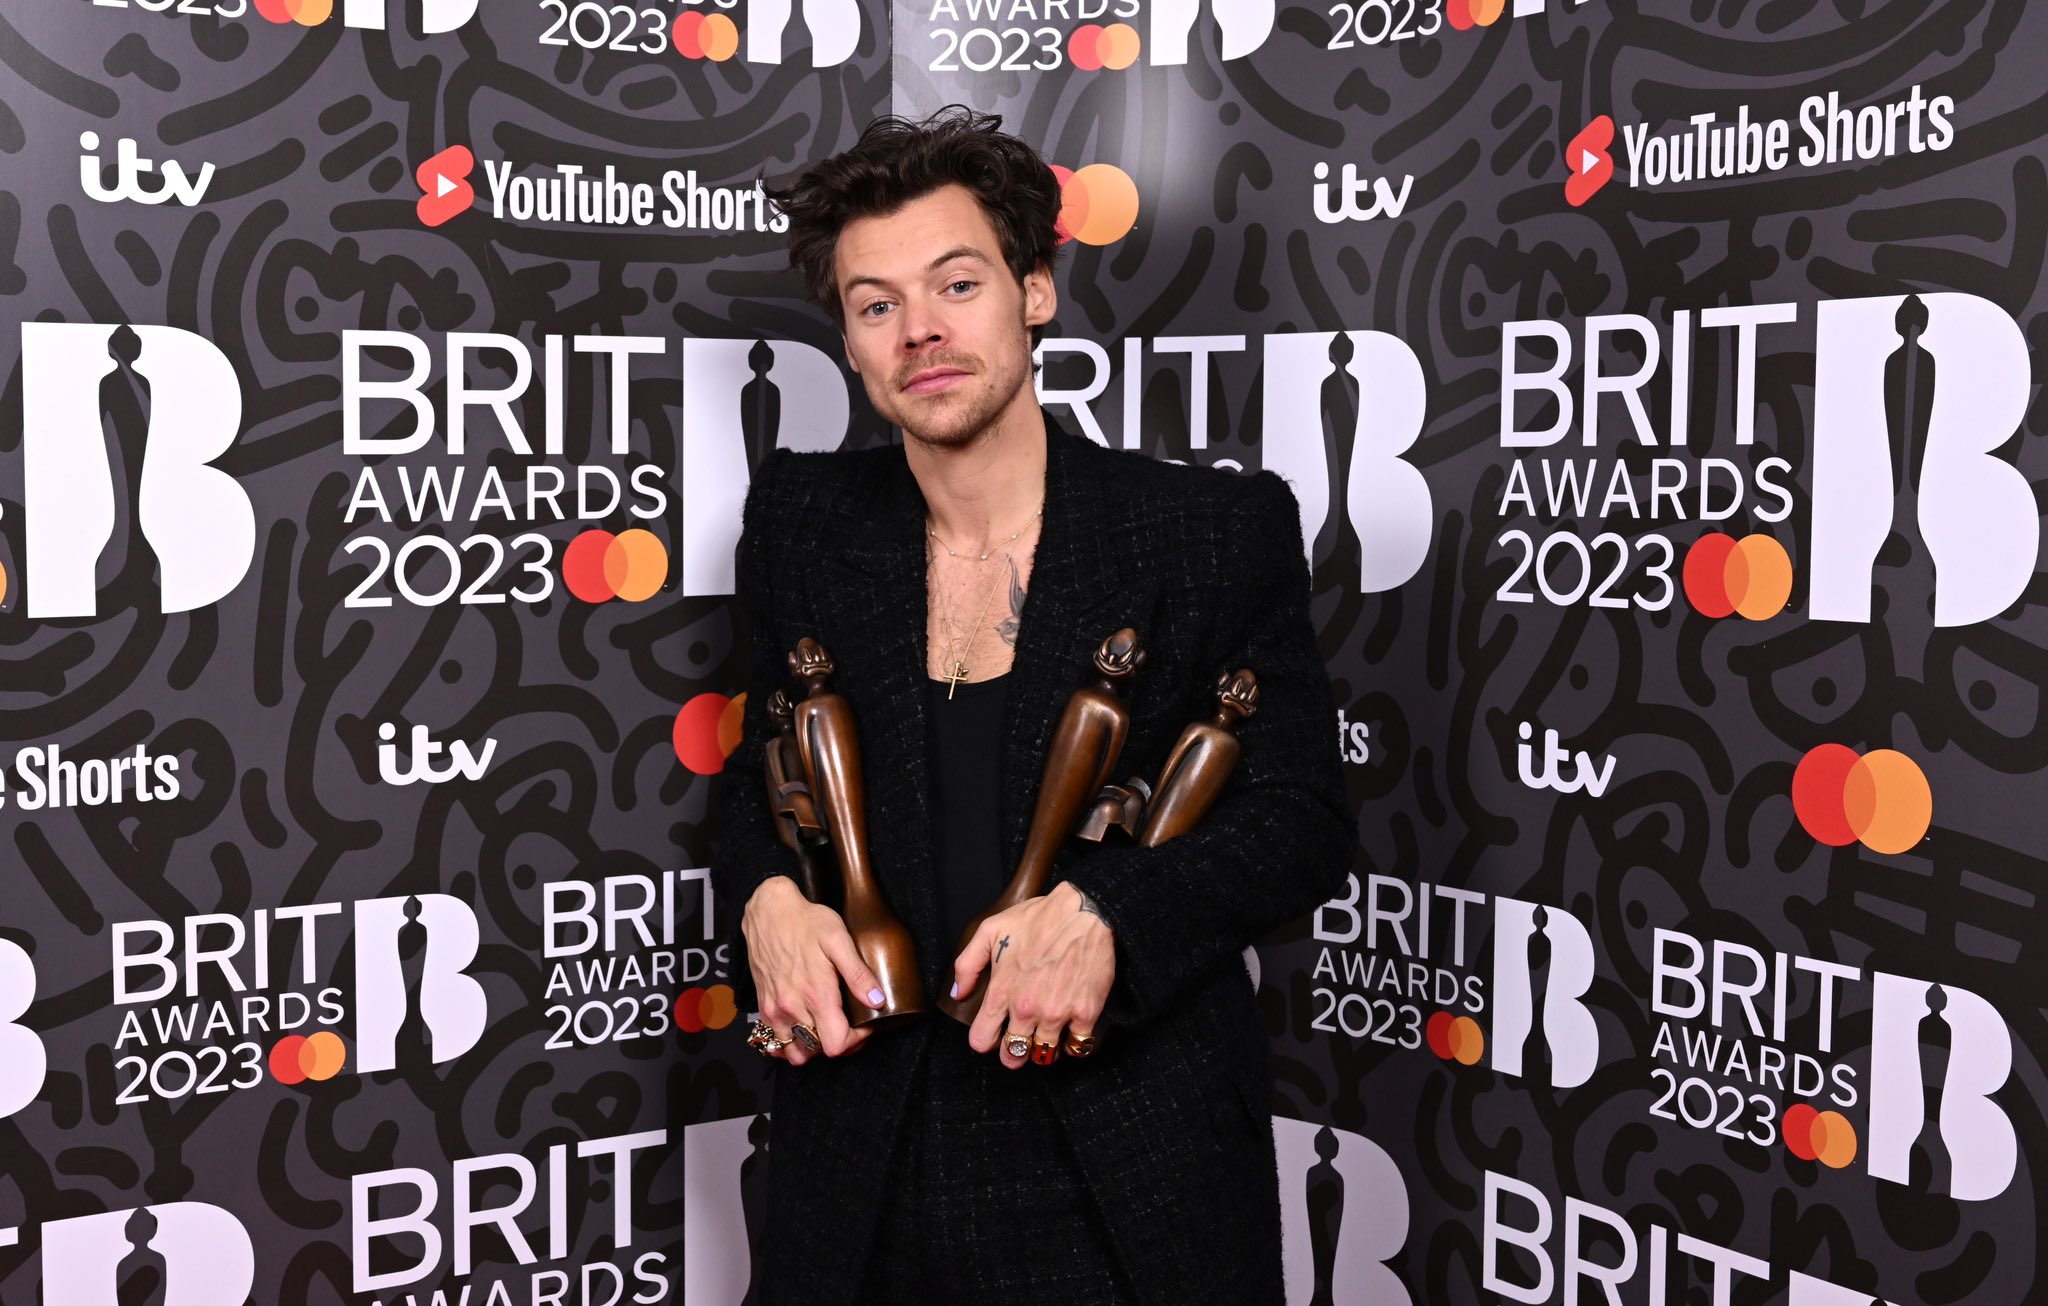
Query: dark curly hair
[897,160]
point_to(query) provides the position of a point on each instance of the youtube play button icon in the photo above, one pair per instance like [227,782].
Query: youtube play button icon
[1592,167]
[444,181]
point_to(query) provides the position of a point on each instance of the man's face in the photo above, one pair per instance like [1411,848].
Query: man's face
[925,293]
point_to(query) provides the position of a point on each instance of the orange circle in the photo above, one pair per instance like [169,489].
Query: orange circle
[323,1055]
[1487,12]
[718,1008]
[1767,577]
[642,563]
[3,584]
[1468,1041]
[1888,801]
[1099,204]
[720,37]
[1118,48]
[1834,1139]
[730,723]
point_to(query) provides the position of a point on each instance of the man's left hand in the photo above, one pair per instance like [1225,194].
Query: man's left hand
[1050,960]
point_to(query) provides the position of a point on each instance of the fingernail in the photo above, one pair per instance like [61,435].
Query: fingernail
[956,990]
[874,997]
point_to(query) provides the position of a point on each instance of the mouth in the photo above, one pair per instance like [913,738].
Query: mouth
[934,379]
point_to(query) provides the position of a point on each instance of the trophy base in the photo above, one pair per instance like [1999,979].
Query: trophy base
[964,1009]
[859,1015]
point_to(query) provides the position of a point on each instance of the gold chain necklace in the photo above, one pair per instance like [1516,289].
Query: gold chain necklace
[955,657]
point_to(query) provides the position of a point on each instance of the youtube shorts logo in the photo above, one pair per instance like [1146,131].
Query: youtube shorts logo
[1590,162]
[444,181]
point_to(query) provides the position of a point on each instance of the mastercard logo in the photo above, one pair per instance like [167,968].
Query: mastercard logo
[1751,576]
[1098,204]
[1468,14]
[706,36]
[707,730]
[599,566]
[306,13]
[1455,1038]
[1823,1136]
[699,1009]
[298,1058]
[1879,798]
[1092,47]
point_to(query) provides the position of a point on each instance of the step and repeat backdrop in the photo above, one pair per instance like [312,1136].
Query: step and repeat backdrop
[381,384]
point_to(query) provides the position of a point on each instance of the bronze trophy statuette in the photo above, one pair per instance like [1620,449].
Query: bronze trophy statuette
[789,797]
[1085,747]
[829,749]
[1201,762]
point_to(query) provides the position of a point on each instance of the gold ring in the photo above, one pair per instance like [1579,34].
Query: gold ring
[805,1035]
[762,1039]
[1078,1045]
[1017,1045]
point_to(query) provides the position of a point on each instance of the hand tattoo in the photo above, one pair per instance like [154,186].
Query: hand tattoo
[1088,905]
[1001,943]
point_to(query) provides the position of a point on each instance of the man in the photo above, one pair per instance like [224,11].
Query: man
[993,551]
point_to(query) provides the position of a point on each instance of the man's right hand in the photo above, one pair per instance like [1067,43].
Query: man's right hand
[800,952]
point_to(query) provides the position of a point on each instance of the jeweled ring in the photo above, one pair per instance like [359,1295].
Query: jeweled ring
[1017,1045]
[805,1035]
[1078,1045]
[762,1039]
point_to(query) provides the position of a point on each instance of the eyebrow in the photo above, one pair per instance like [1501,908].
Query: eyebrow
[958,251]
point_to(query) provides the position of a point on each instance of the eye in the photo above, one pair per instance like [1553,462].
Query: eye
[962,282]
[879,303]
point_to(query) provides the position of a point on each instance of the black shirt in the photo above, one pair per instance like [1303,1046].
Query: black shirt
[966,733]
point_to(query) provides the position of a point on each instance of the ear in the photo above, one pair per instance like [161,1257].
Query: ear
[1041,300]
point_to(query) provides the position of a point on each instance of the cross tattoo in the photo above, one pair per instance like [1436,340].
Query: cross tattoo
[955,676]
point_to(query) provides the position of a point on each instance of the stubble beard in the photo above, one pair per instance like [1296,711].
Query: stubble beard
[954,420]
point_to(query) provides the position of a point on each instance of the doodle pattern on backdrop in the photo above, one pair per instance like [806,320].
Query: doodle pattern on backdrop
[1658,389]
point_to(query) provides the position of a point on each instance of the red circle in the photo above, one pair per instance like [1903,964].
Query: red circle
[690,1011]
[1797,1126]
[689,36]
[696,734]
[1459,14]
[1438,1034]
[1817,787]
[1706,574]
[275,10]
[583,566]
[1084,47]
[285,1060]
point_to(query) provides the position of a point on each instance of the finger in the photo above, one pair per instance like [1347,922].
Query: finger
[799,1014]
[1045,1043]
[1016,1046]
[967,967]
[860,980]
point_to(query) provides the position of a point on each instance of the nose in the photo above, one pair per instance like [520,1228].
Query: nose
[921,327]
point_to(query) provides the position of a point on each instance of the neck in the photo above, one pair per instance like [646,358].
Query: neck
[982,489]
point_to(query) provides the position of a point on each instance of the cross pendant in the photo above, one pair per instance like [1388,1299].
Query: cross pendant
[955,676]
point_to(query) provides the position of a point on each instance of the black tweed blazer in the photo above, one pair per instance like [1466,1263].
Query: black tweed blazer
[1171,1118]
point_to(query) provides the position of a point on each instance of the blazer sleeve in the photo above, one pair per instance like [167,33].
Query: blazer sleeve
[744,848]
[1281,837]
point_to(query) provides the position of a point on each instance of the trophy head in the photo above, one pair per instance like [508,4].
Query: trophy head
[1120,654]
[780,714]
[810,663]
[1237,696]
